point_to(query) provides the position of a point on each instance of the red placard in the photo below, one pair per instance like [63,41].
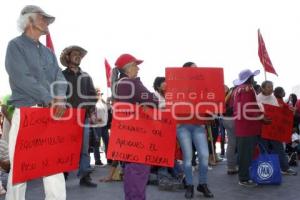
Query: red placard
[47,146]
[195,92]
[282,123]
[142,135]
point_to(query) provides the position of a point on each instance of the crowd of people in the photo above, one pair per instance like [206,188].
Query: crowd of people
[33,68]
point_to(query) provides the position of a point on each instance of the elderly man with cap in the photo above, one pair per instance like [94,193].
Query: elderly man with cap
[248,120]
[81,93]
[32,70]
[130,89]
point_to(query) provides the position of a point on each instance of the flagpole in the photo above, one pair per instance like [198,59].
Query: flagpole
[211,142]
[108,91]
[265,74]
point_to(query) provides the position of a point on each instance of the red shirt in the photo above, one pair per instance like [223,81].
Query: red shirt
[244,107]
[282,103]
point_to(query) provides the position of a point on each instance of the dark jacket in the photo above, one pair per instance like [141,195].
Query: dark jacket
[82,93]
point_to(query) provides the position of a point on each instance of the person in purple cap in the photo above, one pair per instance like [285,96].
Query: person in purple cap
[248,120]
[129,88]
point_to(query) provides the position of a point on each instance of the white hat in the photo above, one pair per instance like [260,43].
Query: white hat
[244,76]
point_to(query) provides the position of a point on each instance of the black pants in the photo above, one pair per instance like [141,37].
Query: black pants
[215,134]
[245,147]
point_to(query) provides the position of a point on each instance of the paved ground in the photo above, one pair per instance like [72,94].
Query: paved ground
[223,186]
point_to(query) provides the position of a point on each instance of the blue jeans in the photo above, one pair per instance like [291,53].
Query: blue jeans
[84,163]
[163,172]
[177,170]
[188,134]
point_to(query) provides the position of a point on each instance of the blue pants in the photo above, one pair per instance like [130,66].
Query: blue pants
[84,163]
[187,135]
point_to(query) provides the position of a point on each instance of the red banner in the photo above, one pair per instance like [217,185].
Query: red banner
[282,124]
[108,73]
[142,135]
[193,92]
[47,146]
[263,55]
[49,42]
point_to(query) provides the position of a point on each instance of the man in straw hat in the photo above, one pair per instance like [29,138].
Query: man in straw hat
[82,94]
[32,68]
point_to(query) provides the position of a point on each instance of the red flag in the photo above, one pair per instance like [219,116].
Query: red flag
[264,56]
[49,43]
[108,72]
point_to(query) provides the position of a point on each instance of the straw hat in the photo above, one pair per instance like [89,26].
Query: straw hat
[68,50]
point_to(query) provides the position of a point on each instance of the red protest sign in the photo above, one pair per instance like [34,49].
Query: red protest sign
[194,92]
[282,124]
[142,135]
[47,146]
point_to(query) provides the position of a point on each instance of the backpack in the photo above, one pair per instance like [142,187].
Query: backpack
[229,102]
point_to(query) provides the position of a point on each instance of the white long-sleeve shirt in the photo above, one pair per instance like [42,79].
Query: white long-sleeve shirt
[263,99]
[161,100]
[101,113]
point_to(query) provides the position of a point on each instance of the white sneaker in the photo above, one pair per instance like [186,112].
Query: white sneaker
[289,172]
